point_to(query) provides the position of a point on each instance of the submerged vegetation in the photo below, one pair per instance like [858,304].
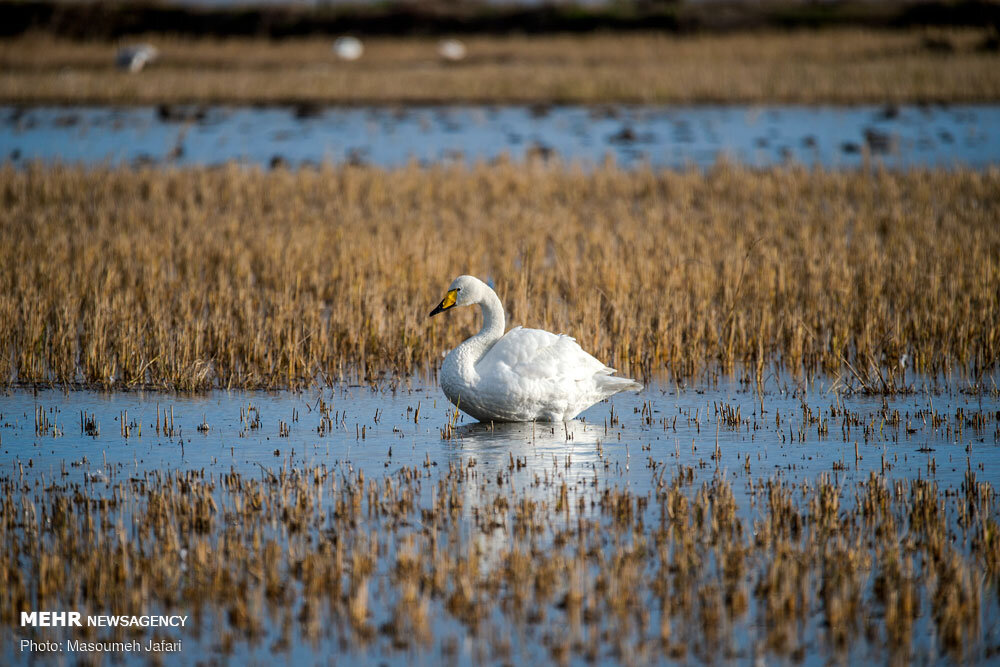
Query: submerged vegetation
[233,277]
[841,66]
[568,556]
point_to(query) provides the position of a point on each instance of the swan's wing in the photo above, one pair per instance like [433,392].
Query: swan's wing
[535,354]
[531,374]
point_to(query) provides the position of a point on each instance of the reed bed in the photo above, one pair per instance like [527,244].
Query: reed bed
[235,277]
[829,66]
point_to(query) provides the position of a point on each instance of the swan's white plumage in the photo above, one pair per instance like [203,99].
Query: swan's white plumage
[136,56]
[523,375]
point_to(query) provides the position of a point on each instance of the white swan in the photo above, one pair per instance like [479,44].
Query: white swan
[451,50]
[348,48]
[136,56]
[525,375]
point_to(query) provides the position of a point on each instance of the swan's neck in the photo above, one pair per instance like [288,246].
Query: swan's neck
[493,320]
[468,354]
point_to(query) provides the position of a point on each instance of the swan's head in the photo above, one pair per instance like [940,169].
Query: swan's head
[464,291]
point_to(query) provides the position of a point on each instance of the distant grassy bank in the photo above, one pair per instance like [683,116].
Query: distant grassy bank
[205,277]
[832,66]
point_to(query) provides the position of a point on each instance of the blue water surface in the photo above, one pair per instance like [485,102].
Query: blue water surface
[661,136]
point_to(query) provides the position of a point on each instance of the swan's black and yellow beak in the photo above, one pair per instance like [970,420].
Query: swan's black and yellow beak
[446,303]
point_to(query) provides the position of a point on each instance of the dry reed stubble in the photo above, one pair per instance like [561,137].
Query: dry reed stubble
[351,559]
[192,278]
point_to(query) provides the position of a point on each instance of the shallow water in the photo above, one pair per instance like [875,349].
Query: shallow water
[230,443]
[680,136]
[628,444]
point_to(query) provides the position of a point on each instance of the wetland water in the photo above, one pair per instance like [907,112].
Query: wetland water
[680,136]
[704,522]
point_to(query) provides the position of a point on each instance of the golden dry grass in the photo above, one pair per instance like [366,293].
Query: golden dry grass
[830,66]
[237,277]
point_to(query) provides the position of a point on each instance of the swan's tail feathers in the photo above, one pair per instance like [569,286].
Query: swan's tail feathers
[611,385]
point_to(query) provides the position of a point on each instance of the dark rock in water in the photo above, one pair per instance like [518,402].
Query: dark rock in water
[356,157]
[627,136]
[308,110]
[624,136]
[539,110]
[67,120]
[878,142]
[15,154]
[761,142]
[889,112]
[278,162]
[850,147]
[539,151]
[946,136]
[175,113]
[809,141]
[605,113]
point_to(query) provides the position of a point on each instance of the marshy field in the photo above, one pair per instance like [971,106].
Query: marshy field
[221,402]
[219,391]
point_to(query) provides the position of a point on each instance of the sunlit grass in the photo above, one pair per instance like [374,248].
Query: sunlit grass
[237,277]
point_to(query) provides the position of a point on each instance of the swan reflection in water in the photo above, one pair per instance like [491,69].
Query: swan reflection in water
[561,468]
[566,451]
